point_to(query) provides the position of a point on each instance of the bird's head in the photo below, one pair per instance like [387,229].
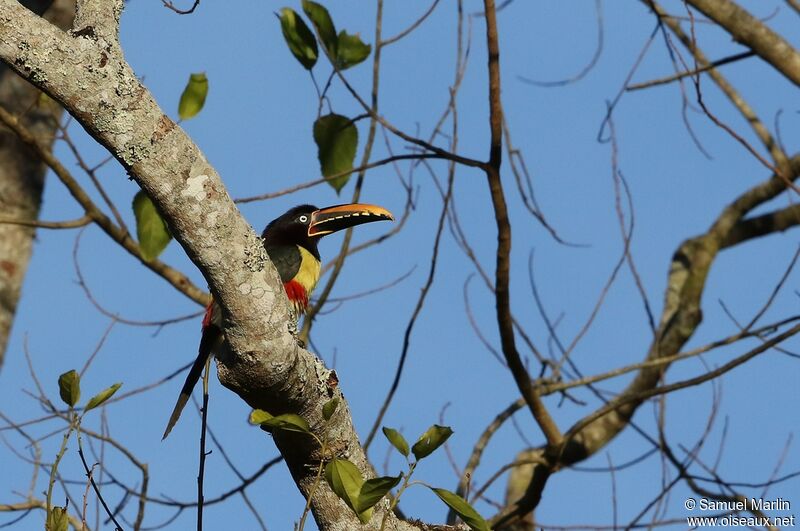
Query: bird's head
[306,224]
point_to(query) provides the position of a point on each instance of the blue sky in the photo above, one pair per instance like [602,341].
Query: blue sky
[256,130]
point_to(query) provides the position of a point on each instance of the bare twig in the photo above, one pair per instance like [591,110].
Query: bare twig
[178,280]
[202,467]
[70,224]
[169,5]
[598,7]
[414,25]
[681,75]
[415,314]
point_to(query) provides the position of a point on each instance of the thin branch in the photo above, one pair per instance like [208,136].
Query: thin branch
[411,28]
[669,388]
[367,153]
[598,7]
[178,280]
[502,293]
[777,153]
[90,476]
[753,33]
[203,428]
[362,168]
[84,285]
[70,224]
[169,5]
[415,314]
[695,71]
[91,172]
[776,168]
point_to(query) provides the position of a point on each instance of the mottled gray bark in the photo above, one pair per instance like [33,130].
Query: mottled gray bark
[22,173]
[85,70]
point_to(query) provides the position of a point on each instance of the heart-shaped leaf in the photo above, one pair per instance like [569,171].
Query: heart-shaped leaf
[299,38]
[337,138]
[428,442]
[69,387]
[151,230]
[194,96]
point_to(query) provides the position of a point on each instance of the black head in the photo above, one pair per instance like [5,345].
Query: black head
[292,228]
[304,225]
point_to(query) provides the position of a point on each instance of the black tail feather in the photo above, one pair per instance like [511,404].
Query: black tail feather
[211,334]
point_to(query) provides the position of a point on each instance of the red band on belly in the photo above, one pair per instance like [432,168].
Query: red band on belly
[296,293]
[208,317]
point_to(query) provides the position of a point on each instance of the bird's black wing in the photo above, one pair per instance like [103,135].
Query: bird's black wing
[287,259]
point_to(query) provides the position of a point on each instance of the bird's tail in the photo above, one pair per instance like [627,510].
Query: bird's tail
[211,334]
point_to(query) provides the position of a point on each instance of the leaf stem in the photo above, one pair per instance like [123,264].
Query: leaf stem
[396,499]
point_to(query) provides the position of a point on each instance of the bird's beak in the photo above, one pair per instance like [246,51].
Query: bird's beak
[334,218]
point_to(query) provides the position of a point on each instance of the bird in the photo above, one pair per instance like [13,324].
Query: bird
[291,242]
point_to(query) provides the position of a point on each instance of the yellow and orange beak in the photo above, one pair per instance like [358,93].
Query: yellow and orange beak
[335,218]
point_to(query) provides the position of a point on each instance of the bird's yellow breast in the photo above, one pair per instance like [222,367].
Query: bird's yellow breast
[308,274]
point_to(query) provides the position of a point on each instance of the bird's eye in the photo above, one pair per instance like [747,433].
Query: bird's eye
[303,219]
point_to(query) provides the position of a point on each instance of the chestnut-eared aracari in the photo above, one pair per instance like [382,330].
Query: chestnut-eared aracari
[291,243]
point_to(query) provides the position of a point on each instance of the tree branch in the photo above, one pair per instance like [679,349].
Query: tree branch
[751,32]
[180,281]
[502,291]
[261,361]
[680,318]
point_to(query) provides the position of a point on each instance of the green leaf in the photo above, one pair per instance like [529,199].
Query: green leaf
[57,519]
[257,416]
[429,441]
[336,137]
[397,440]
[151,230]
[345,480]
[322,21]
[101,397]
[194,96]
[287,422]
[299,38]
[374,489]
[470,516]
[351,51]
[69,387]
[330,408]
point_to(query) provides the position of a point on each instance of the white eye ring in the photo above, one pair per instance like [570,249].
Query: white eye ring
[303,219]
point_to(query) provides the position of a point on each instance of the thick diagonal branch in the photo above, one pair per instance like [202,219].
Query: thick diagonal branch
[263,363]
[680,318]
